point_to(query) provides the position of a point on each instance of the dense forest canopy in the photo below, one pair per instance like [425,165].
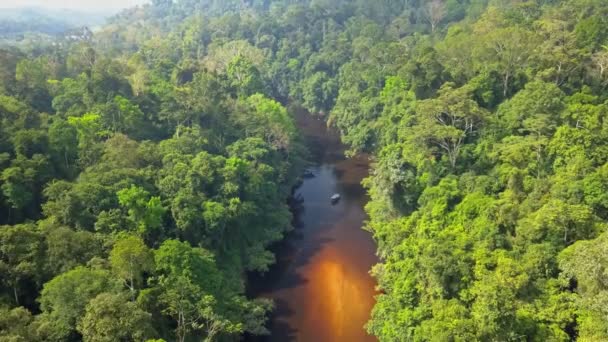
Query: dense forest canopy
[144,169]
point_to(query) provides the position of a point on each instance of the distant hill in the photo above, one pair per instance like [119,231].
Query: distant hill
[15,22]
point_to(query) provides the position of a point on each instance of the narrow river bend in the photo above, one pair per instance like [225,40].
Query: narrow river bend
[321,284]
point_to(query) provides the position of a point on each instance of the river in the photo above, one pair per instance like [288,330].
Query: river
[321,284]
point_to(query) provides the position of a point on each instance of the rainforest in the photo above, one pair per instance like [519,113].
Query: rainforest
[166,176]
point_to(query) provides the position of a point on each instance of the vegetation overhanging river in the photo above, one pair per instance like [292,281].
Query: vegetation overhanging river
[321,284]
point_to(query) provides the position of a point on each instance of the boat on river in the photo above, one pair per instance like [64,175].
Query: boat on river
[335,198]
[308,174]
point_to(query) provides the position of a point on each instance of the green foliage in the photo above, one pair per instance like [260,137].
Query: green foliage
[20,256]
[190,283]
[244,77]
[16,325]
[585,261]
[67,248]
[129,259]
[319,92]
[157,155]
[64,299]
[21,182]
[486,188]
[271,121]
[89,131]
[448,121]
[178,259]
[110,317]
[117,156]
[145,212]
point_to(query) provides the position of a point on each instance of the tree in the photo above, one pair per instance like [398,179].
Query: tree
[506,49]
[537,101]
[72,96]
[140,75]
[63,140]
[193,310]
[559,51]
[434,12]
[67,248]
[21,255]
[28,142]
[244,77]
[586,262]
[188,280]
[591,31]
[495,310]
[600,63]
[22,181]
[81,59]
[179,258]
[268,120]
[112,317]
[16,325]
[14,189]
[89,131]
[130,259]
[121,115]
[319,93]
[31,76]
[449,120]
[233,52]
[559,223]
[145,212]
[63,300]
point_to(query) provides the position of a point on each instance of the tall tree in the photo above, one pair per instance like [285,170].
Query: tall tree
[130,258]
[449,120]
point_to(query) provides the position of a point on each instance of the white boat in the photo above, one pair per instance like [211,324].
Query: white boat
[335,198]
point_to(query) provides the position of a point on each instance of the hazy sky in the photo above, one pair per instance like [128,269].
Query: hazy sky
[74,4]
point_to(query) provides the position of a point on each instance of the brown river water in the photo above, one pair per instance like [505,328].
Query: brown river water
[321,284]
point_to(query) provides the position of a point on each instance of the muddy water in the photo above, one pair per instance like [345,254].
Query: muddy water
[320,284]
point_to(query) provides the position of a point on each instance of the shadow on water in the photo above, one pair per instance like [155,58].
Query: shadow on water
[320,283]
[281,328]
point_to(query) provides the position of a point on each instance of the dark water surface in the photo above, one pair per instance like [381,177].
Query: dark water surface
[320,285]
